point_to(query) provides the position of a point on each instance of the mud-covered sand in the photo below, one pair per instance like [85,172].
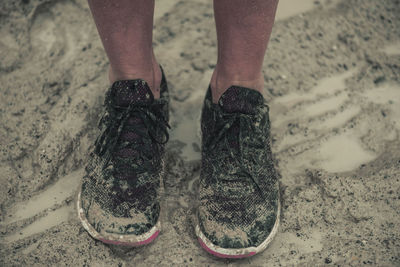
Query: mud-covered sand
[333,85]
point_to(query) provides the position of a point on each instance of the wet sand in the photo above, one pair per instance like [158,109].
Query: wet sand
[332,81]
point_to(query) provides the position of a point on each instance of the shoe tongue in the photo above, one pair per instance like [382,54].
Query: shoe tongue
[240,99]
[136,92]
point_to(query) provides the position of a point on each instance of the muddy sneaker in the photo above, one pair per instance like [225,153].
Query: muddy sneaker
[239,208]
[119,198]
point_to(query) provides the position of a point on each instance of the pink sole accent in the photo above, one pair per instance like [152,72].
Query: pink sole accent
[145,242]
[220,255]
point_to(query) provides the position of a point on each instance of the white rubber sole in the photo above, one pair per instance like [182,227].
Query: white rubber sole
[115,239]
[240,252]
[123,240]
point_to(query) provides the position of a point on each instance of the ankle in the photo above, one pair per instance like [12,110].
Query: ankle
[150,74]
[220,82]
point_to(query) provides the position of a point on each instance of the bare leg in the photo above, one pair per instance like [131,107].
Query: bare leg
[125,28]
[243,31]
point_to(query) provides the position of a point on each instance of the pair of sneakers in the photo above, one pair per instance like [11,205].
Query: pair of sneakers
[238,212]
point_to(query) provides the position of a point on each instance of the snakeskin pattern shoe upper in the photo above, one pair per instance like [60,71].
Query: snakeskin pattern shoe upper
[121,186]
[238,184]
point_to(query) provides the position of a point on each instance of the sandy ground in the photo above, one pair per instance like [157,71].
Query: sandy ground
[333,84]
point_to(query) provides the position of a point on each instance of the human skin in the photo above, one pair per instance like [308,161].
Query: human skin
[125,28]
[243,31]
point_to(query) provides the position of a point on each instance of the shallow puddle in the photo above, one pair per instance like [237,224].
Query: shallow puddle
[333,84]
[325,105]
[325,86]
[392,50]
[328,95]
[55,194]
[186,132]
[342,153]
[188,126]
[290,8]
[52,219]
[389,95]
[338,153]
[290,140]
[286,8]
[339,119]
[43,32]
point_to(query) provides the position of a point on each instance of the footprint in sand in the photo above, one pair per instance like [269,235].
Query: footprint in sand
[43,32]
[46,37]
[9,54]
[50,40]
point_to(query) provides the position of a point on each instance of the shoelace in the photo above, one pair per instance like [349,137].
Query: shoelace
[115,120]
[225,122]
